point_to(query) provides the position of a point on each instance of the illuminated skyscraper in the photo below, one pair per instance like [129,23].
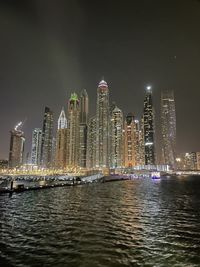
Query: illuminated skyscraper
[149,128]
[102,124]
[84,108]
[91,143]
[62,121]
[141,142]
[62,141]
[168,126]
[82,145]
[138,144]
[47,136]
[129,141]
[116,131]
[16,147]
[36,146]
[74,130]
[190,161]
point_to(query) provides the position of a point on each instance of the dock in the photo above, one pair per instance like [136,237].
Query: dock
[73,181]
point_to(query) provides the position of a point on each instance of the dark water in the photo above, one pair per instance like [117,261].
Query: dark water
[129,223]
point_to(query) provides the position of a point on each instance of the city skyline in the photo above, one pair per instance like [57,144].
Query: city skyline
[99,136]
[106,141]
[115,142]
[56,122]
[43,63]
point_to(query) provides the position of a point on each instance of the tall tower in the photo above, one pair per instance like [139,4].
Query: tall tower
[61,141]
[149,128]
[168,126]
[91,143]
[17,141]
[102,124]
[84,108]
[82,144]
[47,136]
[116,131]
[129,140]
[36,146]
[74,121]
[137,143]
[141,141]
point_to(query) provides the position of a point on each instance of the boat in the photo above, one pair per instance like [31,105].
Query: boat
[155,175]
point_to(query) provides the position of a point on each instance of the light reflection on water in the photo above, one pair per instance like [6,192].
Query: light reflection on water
[130,223]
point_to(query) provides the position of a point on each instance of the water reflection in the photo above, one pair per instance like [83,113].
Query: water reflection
[130,223]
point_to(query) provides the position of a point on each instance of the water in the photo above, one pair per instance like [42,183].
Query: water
[128,223]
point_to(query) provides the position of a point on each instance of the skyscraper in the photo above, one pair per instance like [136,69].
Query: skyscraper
[116,131]
[129,141]
[168,127]
[141,142]
[138,144]
[82,144]
[62,141]
[36,146]
[149,128]
[47,136]
[102,124]
[74,129]
[17,140]
[84,108]
[91,143]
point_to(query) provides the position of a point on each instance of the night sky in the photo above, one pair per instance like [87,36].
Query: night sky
[49,49]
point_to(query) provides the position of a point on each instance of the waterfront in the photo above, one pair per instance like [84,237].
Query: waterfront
[128,223]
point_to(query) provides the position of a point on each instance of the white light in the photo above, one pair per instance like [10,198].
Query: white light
[18,125]
[148,144]
[148,87]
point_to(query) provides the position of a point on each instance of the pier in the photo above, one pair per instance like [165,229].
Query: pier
[50,182]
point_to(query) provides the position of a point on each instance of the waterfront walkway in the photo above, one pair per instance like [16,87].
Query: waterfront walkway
[60,181]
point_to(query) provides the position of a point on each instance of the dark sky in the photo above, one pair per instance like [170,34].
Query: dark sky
[50,48]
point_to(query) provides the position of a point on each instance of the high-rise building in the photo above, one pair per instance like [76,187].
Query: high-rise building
[74,129]
[148,117]
[61,158]
[168,126]
[36,146]
[129,141]
[82,144]
[91,143]
[3,164]
[137,143]
[47,136]
[84,107]
[102,126]
[198,160]
[141,142]
[17,141]
[190,161]
[116,145]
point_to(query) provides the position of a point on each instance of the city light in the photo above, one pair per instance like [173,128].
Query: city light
[18,125]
